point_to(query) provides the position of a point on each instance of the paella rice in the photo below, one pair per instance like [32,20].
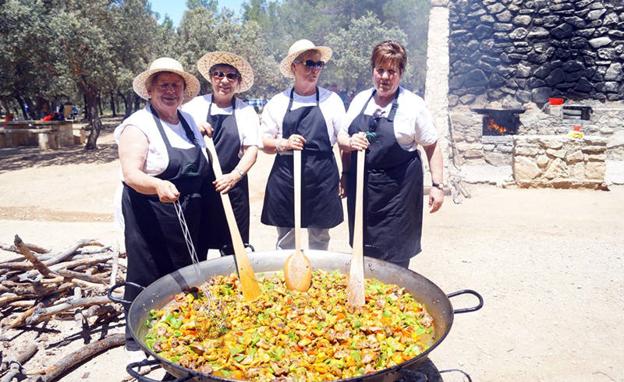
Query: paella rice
[290,336]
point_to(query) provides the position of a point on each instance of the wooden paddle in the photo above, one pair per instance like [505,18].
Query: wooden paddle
[297,269]
[355,285]
[249,285]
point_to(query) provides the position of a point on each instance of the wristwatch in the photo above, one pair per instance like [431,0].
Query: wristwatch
[437,185]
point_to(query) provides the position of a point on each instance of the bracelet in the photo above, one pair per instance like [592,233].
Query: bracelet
[238,170]
[437,185]
[280,145]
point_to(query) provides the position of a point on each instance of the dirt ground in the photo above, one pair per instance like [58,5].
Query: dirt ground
[549,264]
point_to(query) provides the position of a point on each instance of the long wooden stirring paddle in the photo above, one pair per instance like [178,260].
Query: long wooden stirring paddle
[249,284]
[355,285]
[297,269]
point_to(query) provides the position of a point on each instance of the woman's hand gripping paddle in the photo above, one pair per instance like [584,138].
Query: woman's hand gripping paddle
[297,269]
[249,285]
[355,285]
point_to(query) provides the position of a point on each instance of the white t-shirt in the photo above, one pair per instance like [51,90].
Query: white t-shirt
[246,117]
[274,111]
[413,124]
[157,158]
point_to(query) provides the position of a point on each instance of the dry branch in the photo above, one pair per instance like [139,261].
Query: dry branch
[33,247]
[74,359]
[14,363]
[27,253]
[44,312]
[69,252]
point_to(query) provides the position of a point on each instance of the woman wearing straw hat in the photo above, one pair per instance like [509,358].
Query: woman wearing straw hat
[233,125]
[389,122]
[303,117]
[163,161]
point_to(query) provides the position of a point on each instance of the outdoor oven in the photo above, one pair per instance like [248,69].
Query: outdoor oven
[498,122]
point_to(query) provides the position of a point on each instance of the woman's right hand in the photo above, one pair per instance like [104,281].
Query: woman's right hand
[206,129]
[167,192]
[296,142]
[358,142]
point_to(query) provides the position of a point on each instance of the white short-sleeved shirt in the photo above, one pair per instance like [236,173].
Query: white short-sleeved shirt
[246,117]
[413,124]
[157,158]
[274,111]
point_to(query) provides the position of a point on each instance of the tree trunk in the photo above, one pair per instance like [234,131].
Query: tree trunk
[87,111]
[99,104]
[91,105]
[30,106]
[127,100]
[137,102]
[112,104]
[22,105]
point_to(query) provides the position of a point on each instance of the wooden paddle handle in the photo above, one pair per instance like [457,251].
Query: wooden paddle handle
[297,184]
[250,287]
[355,286]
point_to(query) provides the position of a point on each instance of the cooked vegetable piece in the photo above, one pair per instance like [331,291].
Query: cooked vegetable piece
[312,336]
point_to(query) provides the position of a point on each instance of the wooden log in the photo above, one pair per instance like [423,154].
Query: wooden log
[23,303]
[115,269]
[13,266]
[90,260]
[21,319]
[27,253]
[81,276]
[33,247]
[44,312]
[76,358]
[14,364]
[67,253]
[12,297]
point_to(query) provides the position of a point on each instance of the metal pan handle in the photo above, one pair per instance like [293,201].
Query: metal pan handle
[467,291]
[468,379]
[118,300]
[149,362]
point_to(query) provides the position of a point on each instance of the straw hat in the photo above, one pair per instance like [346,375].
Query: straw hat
[211,59]
[165,64]
[296,49]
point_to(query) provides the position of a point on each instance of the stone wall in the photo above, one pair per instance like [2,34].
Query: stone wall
[559,162]
[518,51]
[470,147]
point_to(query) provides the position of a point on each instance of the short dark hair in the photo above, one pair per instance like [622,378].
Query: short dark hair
[389,51]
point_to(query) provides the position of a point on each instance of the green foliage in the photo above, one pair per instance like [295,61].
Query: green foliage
[58,50]
[351,68]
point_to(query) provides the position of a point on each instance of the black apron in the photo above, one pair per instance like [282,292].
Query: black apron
[154,240]
[228,145]
[321,205]
[393,191]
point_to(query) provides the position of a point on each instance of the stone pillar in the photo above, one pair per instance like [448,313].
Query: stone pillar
[436,83]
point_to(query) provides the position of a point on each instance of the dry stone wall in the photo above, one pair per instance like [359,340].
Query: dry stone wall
[518,51]
[553,161]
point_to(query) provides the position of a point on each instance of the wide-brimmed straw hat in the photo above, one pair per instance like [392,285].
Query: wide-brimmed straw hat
[296,49]
[211,59]
[165,64]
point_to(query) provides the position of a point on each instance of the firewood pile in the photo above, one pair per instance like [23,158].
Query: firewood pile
[37,286]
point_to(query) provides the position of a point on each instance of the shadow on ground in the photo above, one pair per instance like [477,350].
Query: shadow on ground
[18,158]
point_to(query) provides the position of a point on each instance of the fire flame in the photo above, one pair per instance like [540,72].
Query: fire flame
[496,127]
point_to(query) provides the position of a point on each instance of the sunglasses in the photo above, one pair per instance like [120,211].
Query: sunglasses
[230,75]
[310,64]
[373,123]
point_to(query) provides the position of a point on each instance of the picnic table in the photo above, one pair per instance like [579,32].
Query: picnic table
[45,134]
